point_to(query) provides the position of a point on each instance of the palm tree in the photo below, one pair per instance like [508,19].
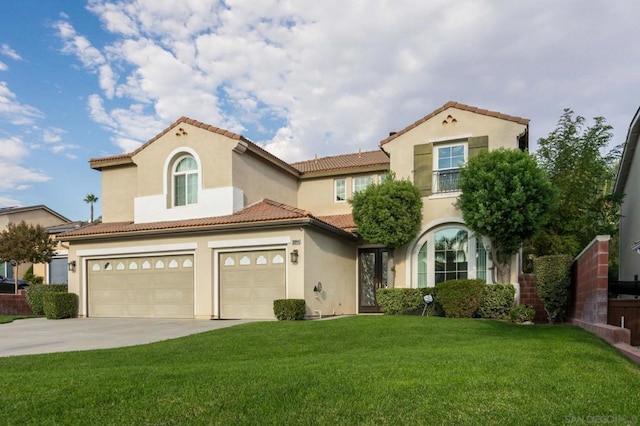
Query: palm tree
[90,198]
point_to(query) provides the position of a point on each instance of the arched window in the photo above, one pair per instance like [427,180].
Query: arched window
[185,181]
[451,255]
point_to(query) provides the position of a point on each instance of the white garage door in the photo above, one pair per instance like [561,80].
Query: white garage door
[250,282]
[141,287]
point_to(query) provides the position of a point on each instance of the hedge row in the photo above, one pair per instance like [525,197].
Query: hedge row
[35,294]
[457,298]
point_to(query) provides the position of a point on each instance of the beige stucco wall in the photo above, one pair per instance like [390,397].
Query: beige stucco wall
[119,187]
[31,217]
[212,150]
[630,222]
[317,194]
[258,179]
[332,262]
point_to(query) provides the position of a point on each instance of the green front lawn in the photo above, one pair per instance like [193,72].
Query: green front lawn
[10,318]
[358,370]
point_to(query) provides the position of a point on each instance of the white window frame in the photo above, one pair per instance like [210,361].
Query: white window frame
[335,190]
[436,169]
[187,173]
[361,178]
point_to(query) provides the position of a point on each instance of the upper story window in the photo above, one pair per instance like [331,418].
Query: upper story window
[361,183]
[340,190]
[185,181]
[447,163]
[436,165]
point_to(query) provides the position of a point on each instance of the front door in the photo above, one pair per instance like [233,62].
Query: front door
[372,267]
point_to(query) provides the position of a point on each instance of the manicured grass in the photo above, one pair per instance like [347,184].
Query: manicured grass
[10,318]
[358,370]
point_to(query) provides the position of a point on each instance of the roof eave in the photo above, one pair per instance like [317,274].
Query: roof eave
[207,228]
[344,171]
[630,146]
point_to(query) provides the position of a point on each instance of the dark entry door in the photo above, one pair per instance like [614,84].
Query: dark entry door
[372,267]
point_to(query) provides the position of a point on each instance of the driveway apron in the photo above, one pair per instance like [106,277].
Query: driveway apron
[40,335]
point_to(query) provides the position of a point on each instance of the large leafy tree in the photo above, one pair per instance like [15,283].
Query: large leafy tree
[21,243]
[505,197]
[388,213]
[576,160]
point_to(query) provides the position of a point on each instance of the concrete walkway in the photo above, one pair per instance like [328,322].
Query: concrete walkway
[40,335]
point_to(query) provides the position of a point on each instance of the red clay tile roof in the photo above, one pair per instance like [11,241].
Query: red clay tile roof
[346,161]
[452,104]
[259,213]
[342,221]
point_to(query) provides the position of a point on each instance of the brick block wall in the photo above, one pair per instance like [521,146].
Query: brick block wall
[529,296]
[590,290]
[15,304]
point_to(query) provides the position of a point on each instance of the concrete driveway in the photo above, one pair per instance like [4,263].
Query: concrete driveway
[40,335]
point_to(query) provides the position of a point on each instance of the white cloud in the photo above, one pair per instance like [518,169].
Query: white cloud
[333,76]
[13,111]
[6,50]
[3,66]
[12,174]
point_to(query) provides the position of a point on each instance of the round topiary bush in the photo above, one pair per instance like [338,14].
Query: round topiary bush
[460,298]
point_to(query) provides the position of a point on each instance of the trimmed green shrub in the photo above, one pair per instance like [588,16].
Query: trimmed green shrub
[398,301]
[553,282]
[289,309]
[460,298]
[497,300]
[36,291]
[522,313]
[60,305]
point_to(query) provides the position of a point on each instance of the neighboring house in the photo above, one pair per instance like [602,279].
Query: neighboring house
[628,183]
[200,222]
[32,215]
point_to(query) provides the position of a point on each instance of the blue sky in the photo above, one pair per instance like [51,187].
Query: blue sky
[80,80]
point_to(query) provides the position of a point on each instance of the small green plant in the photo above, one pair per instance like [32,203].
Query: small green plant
[553,282]
[289,309]
[35,294]
[522,313]
[460,298]
[31,277]
[60,305]
[497,300]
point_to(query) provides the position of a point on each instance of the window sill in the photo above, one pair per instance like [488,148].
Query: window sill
[440,195]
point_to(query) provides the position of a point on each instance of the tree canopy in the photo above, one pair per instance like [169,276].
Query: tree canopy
[505,197]
[388,213]
[21,243]
[576,160]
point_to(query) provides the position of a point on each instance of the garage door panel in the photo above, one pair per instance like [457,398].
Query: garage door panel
[250,282]
[160,287]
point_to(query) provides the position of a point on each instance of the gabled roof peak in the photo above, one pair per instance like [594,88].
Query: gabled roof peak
[460,106]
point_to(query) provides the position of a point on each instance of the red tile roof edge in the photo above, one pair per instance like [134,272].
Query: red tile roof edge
[460,106]
[127,227]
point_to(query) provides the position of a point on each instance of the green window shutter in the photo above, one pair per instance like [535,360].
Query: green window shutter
[477,145]
[423,167]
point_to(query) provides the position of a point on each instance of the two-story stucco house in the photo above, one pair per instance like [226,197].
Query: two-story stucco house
[200,222]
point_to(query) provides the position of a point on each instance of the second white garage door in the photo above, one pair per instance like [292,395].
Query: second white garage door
[250,282]
[141,287]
